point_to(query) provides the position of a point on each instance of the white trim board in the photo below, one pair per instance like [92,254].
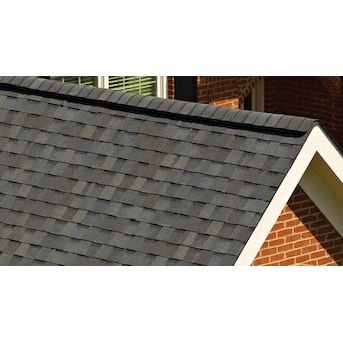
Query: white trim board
[322,195]
[316,143]
[161,86]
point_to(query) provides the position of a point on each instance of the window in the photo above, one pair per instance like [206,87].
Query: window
[255,99]
[81,80]
[145,85]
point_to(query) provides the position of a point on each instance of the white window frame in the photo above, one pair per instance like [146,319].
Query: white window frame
[161,85]
[102,81]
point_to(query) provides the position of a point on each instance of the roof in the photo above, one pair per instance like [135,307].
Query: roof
[98,177]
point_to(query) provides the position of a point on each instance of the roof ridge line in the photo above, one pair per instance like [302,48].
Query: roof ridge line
[209,115]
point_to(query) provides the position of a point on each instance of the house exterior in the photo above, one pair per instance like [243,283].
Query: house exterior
[145,85]
[93,176]
[319,97]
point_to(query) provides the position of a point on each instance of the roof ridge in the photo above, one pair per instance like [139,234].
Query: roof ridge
[174,109]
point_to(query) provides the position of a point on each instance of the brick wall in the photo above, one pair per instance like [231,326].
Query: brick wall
[218,90]
[301,235]
[226,91]
[317,97]
[272,94]
[171,89]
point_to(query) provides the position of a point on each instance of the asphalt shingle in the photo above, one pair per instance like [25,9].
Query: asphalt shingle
[85,183]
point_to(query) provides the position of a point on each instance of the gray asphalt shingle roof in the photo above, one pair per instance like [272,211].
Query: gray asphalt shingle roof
[96,177]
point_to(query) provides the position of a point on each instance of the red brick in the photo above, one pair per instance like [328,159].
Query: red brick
[276,242]
[304,239]
[327,229]
[287,262]
[306,234]
[339,257]
[285,247]
[302,258]
[302,212]
[293,253]
[284,232]
[268,251]
[313,241]
[338,242]
[335,250]
[278,226]
[261,261]
[293,238]
[301,243]
[285,217]
[325,260]
[332,235]
[313,262]
[293,223]
[327,245]
[300,229]
[309,219]
[318,223]
[272,235]
[300,197]
[309,249]
[265,245]
[319,253]
[277,257]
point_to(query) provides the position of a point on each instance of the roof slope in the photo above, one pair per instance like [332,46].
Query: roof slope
[92,176]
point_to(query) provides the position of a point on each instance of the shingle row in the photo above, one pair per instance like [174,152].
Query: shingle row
[103,127]
[86,184]
[158,104]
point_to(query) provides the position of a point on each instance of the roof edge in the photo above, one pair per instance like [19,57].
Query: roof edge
[279,124]
[317,142]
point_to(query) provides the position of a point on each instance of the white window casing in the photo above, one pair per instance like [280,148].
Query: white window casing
[162,87]
[148,85]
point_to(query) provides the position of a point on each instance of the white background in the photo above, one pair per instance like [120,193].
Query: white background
[170,304]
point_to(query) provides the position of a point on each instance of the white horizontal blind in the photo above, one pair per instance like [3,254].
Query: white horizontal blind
[81,80]
[145,85]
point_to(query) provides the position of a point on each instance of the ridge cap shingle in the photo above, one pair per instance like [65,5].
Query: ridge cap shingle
[193,111]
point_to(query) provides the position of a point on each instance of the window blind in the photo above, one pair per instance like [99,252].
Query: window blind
[81,80]
[145,85]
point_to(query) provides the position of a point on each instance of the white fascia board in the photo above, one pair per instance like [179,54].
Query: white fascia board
[316,142]
[329,152]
